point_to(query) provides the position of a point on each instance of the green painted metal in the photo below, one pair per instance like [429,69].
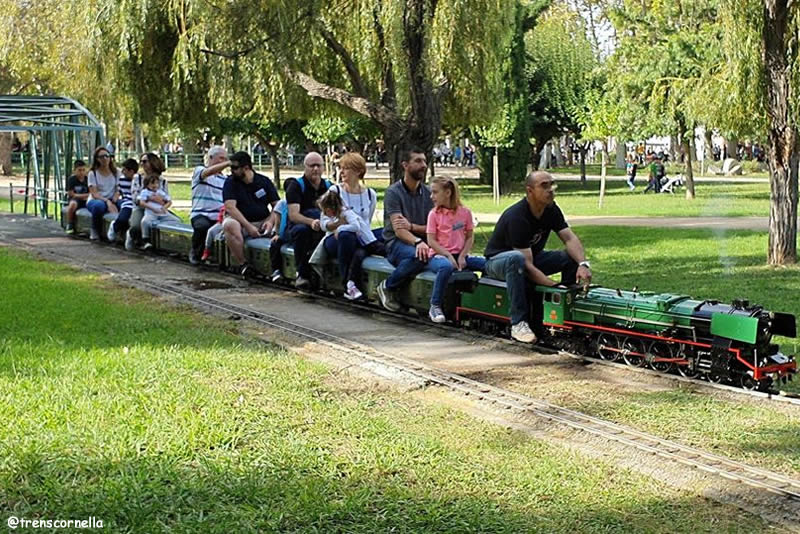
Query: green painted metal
[738,327]
[646,311]
[488,297]
[58,129]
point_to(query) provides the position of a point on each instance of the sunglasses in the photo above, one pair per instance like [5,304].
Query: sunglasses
[103,156]
[235,167]
[143,161]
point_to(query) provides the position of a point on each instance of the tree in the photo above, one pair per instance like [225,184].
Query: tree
[761,46]
[667,50]
[559,70]
[599,120]
[406,65]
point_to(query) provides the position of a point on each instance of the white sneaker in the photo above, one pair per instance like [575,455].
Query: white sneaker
[129,241]
[112,235]
[302,283]
[93,235]
[436,314]
[147,245]
[522,332]
[352,292]
[387,298]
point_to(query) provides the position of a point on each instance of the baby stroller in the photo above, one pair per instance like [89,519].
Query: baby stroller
[668,185]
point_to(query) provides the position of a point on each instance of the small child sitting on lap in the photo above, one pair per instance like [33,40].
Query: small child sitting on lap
[450,236]
[156,204]
[212,234]
[333,208]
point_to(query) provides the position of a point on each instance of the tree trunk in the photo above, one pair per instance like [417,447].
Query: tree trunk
[603,166]
[731,148]
[674,152]
[688,148]
[6,140]
[621,153]
[139,139]
[709,146]
[570,158]
[276,165]
[583,148]
[560,152]
[782,134]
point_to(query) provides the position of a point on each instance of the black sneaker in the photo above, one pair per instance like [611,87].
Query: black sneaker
[244,270]
[70,229]
[193,258]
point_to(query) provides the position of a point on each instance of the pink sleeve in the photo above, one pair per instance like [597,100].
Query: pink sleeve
[431,228]
[468,223]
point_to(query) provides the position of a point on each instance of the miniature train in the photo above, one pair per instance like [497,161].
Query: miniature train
[722,343]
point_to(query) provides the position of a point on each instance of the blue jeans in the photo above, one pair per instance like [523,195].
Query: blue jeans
[510,266]
[304,239]
[121,223]
[343,247]
[442,267]
[98,208]
[407,266]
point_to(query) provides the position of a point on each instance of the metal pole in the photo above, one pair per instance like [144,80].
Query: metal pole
[36,174]
[496,176]
[11,196]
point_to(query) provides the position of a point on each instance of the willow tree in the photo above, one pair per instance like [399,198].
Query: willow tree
[40,53]
[761,45]
[666,51]
[405,64]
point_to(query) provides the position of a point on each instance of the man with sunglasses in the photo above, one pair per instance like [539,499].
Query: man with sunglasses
[249,198]
[515,252]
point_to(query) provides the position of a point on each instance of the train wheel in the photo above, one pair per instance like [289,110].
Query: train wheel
[748,382]
[715,378]
[608,347]
[751,384]
[633,352]
[659,349]
[687,372]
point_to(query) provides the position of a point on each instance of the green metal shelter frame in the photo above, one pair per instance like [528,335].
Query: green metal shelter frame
[61,131]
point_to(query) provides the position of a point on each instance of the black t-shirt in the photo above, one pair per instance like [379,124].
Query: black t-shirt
[518,229]
[76,186]
[308,198]
[252,199]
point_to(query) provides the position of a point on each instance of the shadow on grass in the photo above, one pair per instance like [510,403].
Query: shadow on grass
[152,494]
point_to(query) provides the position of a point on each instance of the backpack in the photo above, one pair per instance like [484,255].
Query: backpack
[285,216]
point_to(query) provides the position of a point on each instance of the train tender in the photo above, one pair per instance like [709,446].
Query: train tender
[730,343]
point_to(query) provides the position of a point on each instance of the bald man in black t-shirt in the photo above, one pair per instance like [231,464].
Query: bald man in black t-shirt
[515,252]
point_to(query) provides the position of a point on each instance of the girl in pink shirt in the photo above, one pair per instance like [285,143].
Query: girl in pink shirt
[450,236]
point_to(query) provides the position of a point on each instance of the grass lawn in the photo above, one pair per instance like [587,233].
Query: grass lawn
[155,419]
[713,199]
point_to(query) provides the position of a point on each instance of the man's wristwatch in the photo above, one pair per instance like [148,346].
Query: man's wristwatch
[585,264]
[418,241]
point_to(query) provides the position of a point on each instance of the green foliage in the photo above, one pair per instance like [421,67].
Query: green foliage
[560,70]
[663,67]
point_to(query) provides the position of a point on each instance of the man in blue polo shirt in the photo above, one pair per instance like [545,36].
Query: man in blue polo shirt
[406,205]
[249,197]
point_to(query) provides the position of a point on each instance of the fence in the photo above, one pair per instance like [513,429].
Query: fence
[42,200]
